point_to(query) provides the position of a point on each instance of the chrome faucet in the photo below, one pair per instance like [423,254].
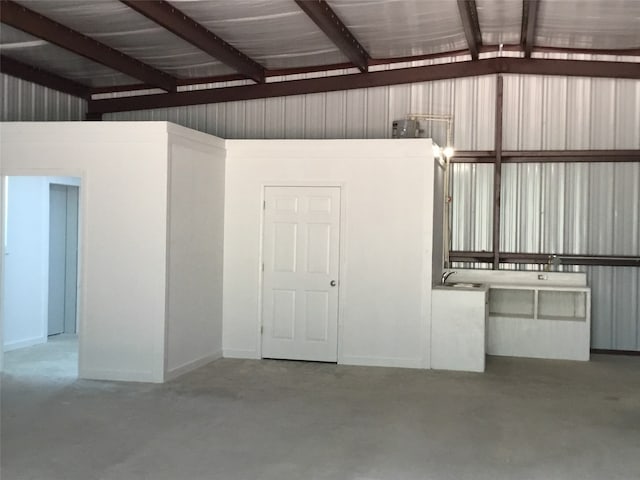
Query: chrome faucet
[445,276]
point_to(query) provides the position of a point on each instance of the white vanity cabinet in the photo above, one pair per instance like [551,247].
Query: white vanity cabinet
[539,321]
[458,316]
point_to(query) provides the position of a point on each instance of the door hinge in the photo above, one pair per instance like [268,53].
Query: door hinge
[264,204]
[263,267]
[261,330]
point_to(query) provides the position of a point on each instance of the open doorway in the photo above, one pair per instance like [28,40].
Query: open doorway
[40,276]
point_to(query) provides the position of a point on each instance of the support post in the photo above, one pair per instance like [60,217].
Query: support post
[497,174]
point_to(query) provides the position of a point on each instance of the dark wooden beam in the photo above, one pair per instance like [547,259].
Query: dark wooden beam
[41,77]
[529,20]
[39,26]
[371,79]
[469,17]
[188,29]
[326,19]
[497,173]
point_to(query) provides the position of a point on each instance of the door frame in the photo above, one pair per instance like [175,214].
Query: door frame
[342,254]
[82,203]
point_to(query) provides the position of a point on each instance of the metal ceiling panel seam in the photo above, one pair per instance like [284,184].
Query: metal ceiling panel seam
[275,33]
[36,52]
[500,21]
[611,24]
[116,25]
[397,29]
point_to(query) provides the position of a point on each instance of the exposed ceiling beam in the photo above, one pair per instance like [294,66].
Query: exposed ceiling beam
[529,20]
[469,17]
[326,19]
[188,29]
[372,79]
[489,49]
[41,77]
[39,26]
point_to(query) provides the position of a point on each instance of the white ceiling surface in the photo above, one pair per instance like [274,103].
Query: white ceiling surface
[118,26]
[601,24]
[38,53]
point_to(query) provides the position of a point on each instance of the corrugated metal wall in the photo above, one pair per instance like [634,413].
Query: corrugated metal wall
[25,101]
[572,208]
[364,113]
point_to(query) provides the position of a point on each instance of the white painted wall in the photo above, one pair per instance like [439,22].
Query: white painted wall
[386,242]
[123,218]
[26,262]
[150,294]
[26,259]
[195,250]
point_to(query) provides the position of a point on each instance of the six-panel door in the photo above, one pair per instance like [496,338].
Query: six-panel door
[301,259]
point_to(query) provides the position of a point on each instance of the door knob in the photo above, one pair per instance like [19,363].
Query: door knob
[332,283]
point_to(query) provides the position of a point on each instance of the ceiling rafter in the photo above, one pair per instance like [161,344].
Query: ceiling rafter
[328,21]
[26,72]
[188,29]
[372,79]
[529,23]
[471,25]
[33,23]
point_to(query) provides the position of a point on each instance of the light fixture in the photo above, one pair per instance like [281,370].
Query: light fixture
[448,152]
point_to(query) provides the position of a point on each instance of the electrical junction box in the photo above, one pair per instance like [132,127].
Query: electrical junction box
[405,129]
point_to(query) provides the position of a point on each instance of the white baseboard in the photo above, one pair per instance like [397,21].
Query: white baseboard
[119,375]
[402,362]
[192,365]
[24,343]
[237,353]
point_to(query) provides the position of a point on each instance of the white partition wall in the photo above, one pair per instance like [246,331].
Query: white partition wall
[385,241]
[127,240]
[195,242]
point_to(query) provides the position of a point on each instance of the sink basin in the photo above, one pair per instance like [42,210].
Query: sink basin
[463,285]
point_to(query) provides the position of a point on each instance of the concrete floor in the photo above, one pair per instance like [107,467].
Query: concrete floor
[246,420]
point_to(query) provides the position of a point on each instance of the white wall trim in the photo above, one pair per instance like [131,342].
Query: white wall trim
[29,342]
[238,353]
[402,362]
[119,375]
[189,366]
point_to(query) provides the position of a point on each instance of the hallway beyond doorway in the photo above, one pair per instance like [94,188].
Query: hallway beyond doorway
[56,358]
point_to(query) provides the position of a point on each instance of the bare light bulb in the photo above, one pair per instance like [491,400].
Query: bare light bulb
[448,152]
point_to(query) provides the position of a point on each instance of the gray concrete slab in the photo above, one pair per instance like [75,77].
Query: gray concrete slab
[275,420]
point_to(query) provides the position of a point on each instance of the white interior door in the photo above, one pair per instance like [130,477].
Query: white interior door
[300,278]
